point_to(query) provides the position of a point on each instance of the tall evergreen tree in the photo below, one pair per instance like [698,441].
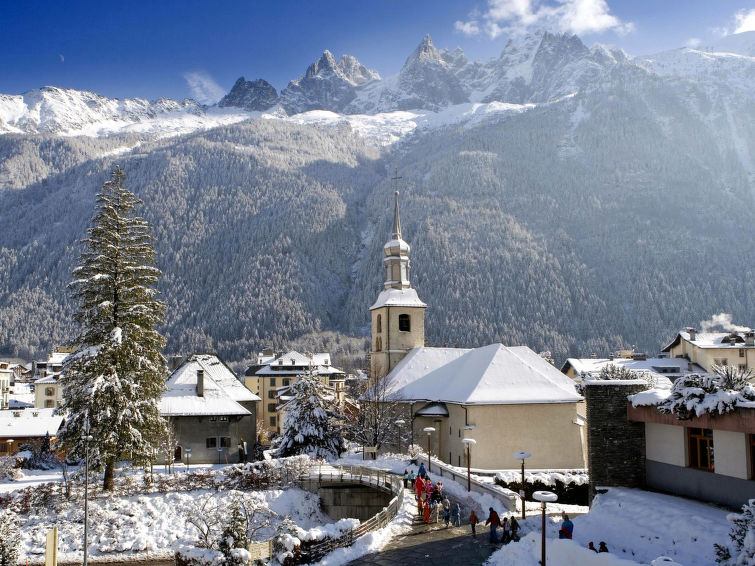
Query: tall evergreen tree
[309,425]
[114,380]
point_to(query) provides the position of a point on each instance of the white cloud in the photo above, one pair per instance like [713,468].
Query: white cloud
[693,42]
[520,16]
[745,21]
[62,59]
[203,88]
[467,28]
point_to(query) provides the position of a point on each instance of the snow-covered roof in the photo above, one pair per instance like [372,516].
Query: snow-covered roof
[57,358]
[491,375]
[29,423]
[54,378]
[433,410]
[710,340]
[398,298]
[663,366]
[222,391]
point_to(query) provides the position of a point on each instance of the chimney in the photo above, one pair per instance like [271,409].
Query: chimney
[200,382]
[750,338]
[692,333]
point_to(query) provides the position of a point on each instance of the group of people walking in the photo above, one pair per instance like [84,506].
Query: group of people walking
[432,504]
[509,527]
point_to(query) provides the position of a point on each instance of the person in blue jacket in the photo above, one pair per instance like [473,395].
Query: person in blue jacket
[567,527]
[421,472]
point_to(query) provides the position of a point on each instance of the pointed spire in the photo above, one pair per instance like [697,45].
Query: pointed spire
[396,221]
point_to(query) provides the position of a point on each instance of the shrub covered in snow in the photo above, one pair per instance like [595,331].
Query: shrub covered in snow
[571,487]
[741,551]
[717,394]
[9,539]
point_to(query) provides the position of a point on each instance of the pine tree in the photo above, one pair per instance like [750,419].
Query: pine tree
[234,534]
[309,426]
[9,539]
[114,380]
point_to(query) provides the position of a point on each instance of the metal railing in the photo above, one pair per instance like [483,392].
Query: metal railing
[505,495]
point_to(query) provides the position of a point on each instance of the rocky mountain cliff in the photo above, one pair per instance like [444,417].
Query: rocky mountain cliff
[569,198]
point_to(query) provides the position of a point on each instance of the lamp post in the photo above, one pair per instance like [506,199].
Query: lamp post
[86,437]
[188,458]
[522,456]
[10,445]
[399,424]
[469,442]
[429,430]
[544,497]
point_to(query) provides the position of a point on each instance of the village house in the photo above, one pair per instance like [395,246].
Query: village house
[211,412]
[507,399]
[637,363]
[27,427]
[48,391]
[706,349]
[6,379]
[274,373]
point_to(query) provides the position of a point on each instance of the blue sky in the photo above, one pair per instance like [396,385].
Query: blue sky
[191,48]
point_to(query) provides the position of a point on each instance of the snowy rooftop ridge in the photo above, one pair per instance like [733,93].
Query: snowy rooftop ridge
[29,423]
[398,298]
[222,390]
[490,375]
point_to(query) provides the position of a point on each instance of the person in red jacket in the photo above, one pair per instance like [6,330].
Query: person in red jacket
[493,520]
[419,485]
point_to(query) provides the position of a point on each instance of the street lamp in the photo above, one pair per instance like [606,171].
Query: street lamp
[429,430]
[10,445]
[469,442]
[522,456]
[399,423]
[544,497]
[87,438]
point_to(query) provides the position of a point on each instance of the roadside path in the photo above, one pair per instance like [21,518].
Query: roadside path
[434,545]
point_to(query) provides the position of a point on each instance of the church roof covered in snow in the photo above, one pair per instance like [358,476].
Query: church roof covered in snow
[398,298]
[491,375]
[222,391]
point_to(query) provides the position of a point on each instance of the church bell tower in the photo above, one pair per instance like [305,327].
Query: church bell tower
[398,315]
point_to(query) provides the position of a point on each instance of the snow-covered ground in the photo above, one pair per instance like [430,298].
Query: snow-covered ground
[637,527]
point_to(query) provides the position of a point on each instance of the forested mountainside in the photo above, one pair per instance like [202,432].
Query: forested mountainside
[605,218]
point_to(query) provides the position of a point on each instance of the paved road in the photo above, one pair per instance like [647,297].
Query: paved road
[432,545]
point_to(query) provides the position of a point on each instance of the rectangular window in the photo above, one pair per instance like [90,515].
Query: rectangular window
[225,441]
[271,394]
[3,448]
[721,361]
[50,391]
[286,382]
[223,419]
[701,448]
[272,421]
[213,419]
[49,403]
[272,382]
[271,407]
[741,352]
[211,442]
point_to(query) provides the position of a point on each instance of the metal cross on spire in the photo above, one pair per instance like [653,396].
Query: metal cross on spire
[396,219]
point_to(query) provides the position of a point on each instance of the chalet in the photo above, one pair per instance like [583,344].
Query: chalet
[27,427]
[707,349]
[210,410]
[273,373]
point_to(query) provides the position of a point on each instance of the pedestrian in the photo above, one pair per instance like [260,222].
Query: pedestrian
[514,524]
[429,487]
[419,485]
[456,516]
[437,495]
[421,471]
[567,527]
[437,509]
[420,506]
[505,531]
[406,478]
[412,478]
[446,512]
[493,520]
[602,547]
[473,520]
[426,512]
[591,546]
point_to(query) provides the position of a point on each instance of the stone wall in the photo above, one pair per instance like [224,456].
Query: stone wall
[615,445]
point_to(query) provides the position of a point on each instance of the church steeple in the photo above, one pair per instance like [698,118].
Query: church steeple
[396,260]
[398,315]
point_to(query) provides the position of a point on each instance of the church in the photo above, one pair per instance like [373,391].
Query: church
[508,399]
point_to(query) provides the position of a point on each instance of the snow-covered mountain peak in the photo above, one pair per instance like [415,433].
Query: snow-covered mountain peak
[354,71]
[425,52]
[250,95]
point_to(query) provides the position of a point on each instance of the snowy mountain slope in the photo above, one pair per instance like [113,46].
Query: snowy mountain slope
[52,110]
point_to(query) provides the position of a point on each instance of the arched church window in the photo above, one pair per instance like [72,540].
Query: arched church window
[404,324]
[378,344]
[379,324]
